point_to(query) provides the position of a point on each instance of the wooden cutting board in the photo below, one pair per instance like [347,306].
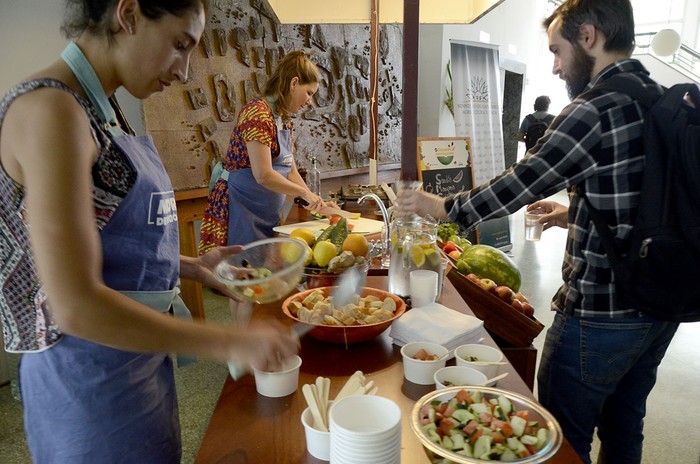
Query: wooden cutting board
[361,226]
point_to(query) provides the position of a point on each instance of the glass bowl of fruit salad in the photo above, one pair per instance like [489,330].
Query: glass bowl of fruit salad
[472,425]
[264,271]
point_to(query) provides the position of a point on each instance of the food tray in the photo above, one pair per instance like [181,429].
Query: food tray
[499,318]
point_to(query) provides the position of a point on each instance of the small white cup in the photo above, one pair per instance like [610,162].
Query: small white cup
[279,383]
[533,228]
[423,287]
[421,372]
[452,376]
[318,443]
[483,353]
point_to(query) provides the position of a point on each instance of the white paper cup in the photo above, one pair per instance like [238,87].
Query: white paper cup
[318,443]
[421,372]
[364,429]
[484,353]
[282,382]
[453,376]
[533,228]
[423,287]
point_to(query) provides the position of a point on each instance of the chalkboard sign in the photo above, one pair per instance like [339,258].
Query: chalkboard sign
[445,167]
[446,182]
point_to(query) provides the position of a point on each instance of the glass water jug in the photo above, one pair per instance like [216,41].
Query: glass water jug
[413,246]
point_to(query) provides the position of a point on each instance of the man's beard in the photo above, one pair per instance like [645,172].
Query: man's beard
[581,70]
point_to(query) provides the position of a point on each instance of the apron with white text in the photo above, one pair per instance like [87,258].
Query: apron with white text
[89,403]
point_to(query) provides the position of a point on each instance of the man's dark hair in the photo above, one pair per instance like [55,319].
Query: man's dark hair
[614,18]
[542,103]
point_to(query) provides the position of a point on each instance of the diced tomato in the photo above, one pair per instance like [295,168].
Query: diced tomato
[497,437]
[441,408]
[507,430]
[474,436]
[446,426]
[524,453]
[448,412]
[496,424]
[522,414]
[350,227]
[531,449]
[470,427]
[462,396]
[485,418]
[334,219]
[258,290]
[424,421]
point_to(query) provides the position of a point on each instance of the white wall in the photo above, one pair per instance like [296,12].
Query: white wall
[30,40]
[515,26]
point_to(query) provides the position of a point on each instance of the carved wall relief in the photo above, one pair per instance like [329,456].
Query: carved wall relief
[221,81]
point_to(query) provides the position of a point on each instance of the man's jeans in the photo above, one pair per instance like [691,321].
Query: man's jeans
[599,372]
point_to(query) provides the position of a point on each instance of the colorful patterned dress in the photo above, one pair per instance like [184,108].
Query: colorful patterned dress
[255,123]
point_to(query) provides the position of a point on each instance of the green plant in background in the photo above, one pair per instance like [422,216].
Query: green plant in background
[449,101]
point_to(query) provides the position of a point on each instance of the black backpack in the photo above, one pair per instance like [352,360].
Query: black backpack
[535,131]
[658,274]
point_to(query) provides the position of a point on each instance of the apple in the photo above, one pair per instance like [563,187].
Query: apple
[517,305]
[488,285]
[528,310]
[504,293]
[474,278]
[454,254]
[521,297]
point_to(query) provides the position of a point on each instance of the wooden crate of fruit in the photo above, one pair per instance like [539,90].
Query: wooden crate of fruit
[500,318]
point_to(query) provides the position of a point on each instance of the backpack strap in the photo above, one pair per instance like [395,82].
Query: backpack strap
[531,118]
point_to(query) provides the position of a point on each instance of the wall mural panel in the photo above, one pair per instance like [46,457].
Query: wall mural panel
[191,122]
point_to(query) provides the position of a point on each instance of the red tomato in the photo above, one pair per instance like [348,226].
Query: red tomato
[334,219]
[450,247]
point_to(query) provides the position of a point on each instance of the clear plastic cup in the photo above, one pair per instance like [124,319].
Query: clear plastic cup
[533,228]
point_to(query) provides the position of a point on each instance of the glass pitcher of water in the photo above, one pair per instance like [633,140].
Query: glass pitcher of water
[413,246]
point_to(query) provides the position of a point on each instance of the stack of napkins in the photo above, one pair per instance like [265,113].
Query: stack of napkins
[437,324]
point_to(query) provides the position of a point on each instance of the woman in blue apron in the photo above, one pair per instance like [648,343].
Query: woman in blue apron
[249,188]
[102,252]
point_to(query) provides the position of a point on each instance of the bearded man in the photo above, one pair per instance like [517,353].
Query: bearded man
[600,358]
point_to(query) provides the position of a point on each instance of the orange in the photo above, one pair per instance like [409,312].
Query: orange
[356,244]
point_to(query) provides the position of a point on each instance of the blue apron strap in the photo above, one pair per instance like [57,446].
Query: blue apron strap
[162,302]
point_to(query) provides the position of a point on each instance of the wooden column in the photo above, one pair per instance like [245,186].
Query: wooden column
[409,120]
[190,208]
[374,91]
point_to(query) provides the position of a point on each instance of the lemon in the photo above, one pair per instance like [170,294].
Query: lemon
[356,244]
[324,251]
[304,234]
[291,252]
[417,255]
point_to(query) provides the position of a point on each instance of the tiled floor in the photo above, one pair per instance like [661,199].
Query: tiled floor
[672,430]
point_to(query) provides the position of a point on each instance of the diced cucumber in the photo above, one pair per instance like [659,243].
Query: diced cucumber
[505,404]
[542,437]
[467,450]
[476,396]
[528,440]
[515,445]
[493,401]
[248,292]
[434,437]
[518,424]
[508,455]
[533,423]
[430,427]
[480,408]
[431,415]
[457,441]
[462,415]
[498,413]
[447,442]
[482,446]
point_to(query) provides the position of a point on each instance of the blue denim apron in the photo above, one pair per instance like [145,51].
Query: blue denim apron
[253,209]
[89,403]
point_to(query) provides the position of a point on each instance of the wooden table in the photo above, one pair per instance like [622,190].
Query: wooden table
[246,427]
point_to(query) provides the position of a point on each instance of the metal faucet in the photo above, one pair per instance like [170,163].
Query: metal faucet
[385,215]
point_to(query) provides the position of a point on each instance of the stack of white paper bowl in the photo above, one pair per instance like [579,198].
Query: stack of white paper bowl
[365,429]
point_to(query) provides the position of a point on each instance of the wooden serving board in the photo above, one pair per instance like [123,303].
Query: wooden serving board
[499,318]
[360,225]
